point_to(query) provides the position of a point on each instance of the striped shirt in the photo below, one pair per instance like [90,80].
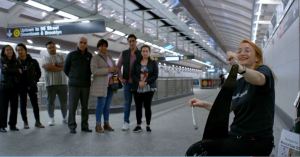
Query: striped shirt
[55,78]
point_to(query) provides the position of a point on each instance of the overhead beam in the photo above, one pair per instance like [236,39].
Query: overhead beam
[193,11]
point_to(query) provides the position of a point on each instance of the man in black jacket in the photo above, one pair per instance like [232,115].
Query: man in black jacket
[31,74]
[77,68]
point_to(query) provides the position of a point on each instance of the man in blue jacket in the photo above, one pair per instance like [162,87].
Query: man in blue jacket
[77,68]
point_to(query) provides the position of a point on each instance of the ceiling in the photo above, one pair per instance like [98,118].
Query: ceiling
[230,21]
[205,28]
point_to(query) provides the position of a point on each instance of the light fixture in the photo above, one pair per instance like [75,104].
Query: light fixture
[62,51]
[85,21]
[44,14]
[39,5]
[108,29]
[57,46]
[148,43]
[172,59]
[268,2]
[119,33]
[67,15]
[263,22]
[256,25]
[66,20]
[29,41]
[7,43]
[140,40]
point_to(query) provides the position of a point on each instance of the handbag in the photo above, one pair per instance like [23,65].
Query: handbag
[115,83]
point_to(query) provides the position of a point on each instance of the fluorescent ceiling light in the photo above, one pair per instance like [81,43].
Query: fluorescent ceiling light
[39,48]
[172,59]
[119,33]
[62,51]
[256,25]
[7,43]
[57,46]
[148,43]
[67,15]
[44,14]
[268,2]
[155,46]
[263,22]
[39,5]
[29,41]
[140,40]
[108,29]
[211,70]
[64,21]
[85,21]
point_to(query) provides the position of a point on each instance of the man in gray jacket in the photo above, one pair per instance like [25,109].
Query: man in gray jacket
[77,68]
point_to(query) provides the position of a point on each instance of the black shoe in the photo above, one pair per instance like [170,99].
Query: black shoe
[3,130]
[13,128]
[39,125]
[148,129]
[137,129]
[73,131]
[86,130]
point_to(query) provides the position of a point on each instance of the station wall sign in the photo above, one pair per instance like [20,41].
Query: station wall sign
[56,29]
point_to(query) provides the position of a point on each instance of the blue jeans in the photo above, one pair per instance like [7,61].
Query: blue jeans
[128,100]
[103,105]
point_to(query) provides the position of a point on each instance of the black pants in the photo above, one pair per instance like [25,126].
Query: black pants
[76,94]
[32,92]
[143,99]
[232,146]
[9,96]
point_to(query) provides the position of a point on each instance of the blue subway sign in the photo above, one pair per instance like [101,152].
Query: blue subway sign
[56,29]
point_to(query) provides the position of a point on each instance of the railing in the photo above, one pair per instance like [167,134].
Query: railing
[167,88]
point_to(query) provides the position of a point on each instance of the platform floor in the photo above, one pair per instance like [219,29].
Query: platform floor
[172,133]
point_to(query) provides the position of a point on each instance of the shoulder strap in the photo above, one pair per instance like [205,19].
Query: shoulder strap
[103,59]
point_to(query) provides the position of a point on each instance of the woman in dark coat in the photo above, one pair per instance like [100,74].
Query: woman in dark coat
[10,76]
[144,76]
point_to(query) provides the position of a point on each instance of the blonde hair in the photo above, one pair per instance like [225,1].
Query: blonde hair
[258,52]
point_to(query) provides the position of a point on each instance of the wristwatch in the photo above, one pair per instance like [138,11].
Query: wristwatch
[243,71]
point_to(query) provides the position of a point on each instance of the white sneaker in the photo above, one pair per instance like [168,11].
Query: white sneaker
[125,126]
[52,122]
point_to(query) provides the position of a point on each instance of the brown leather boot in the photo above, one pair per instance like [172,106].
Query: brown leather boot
[99,129]
[107,127]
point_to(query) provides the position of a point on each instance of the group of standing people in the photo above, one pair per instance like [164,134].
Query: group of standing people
[138,76]
[87,75]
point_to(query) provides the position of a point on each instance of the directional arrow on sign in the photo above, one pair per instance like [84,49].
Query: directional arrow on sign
[9,33]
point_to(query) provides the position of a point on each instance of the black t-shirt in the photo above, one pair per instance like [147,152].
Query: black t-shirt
[253,107]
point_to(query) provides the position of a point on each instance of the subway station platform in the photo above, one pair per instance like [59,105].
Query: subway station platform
[172,133]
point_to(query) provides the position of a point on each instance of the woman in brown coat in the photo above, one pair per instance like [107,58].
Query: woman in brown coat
[103,68]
